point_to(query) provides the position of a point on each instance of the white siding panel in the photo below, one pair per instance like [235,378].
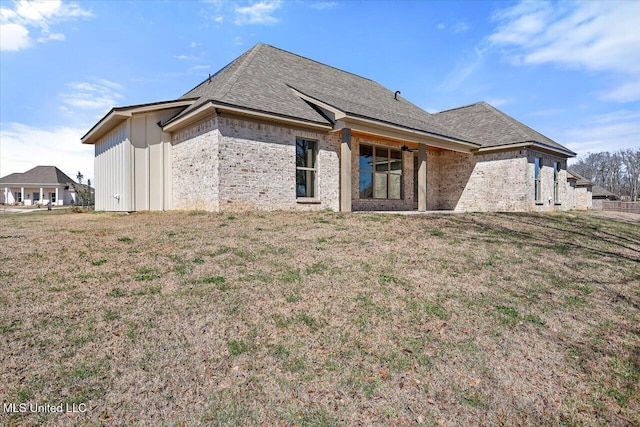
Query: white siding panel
[112,170]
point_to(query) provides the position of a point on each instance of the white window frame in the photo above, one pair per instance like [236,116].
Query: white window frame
[387,173]
[313,169]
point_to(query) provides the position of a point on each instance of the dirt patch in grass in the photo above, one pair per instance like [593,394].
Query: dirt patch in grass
[285,318]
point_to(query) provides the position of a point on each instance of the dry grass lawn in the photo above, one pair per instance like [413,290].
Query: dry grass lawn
[321,319]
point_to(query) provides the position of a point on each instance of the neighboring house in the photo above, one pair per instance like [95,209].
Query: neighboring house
[274,130]
[581,190]
[40,185]
[599,194]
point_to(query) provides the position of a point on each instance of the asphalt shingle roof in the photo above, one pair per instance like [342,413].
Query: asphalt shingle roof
[38,175]
[598,192]
[580,180]
[490,127]
[263,77]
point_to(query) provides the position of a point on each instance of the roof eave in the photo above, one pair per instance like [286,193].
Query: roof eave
[403,133]
[216,107]
[118,114]
[527,144]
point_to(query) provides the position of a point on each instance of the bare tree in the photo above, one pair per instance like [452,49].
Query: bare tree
[631,161]
[618,172]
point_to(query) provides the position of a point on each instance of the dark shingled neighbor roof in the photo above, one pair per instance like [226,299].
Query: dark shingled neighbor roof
[580,180]
[491,127]
[598,192]
[263,77]
[38,175]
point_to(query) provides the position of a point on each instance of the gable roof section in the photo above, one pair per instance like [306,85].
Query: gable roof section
[44,175]
[581,181]
[270,80]
[598,192]
[118,114]
[494,129]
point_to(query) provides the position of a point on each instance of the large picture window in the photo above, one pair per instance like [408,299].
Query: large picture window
[306,168]
[380,173]
[537,187]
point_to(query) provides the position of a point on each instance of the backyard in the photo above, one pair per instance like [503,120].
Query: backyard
[320,318]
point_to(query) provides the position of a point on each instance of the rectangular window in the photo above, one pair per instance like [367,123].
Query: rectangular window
[18,196]
[36,197]
[52,197]
[380,173]
[556,182]
[306,168]
[537,186]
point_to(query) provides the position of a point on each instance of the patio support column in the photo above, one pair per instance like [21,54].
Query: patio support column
[21,195]
[422,177]
[345,171]
[57,200]
[6,196]
[41,196]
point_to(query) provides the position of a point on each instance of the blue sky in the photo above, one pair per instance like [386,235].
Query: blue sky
[570,70]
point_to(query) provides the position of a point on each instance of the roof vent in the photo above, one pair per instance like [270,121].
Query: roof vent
[209,77]
[395,96]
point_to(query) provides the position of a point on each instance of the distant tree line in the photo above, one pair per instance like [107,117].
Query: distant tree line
[618,172]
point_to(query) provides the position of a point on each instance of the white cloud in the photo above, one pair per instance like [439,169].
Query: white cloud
[606,132]
[13,37]
[101,94]
[54,36]
[627,92]
[24,147]
[596,36]
[323,5]
[257,13]
[463,70]
[459,27]
[40,15]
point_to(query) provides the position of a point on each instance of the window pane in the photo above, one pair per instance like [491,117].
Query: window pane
[538,163]
[382,160]
[305,183]
[366,185]
[380,189]
[395,186]
[396,161]
[366,158]
[305,153]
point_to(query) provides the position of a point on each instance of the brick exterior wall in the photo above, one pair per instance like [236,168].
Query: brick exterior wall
[547,202]
[230,163]
[195,167]
[235,163]
[583,198]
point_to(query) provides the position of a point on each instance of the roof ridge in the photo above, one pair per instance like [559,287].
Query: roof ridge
[460,108]
[321,63]
[231,81]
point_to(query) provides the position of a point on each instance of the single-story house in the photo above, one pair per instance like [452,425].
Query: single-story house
[599,194]
[40,185]
[581,191]
[275,130]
